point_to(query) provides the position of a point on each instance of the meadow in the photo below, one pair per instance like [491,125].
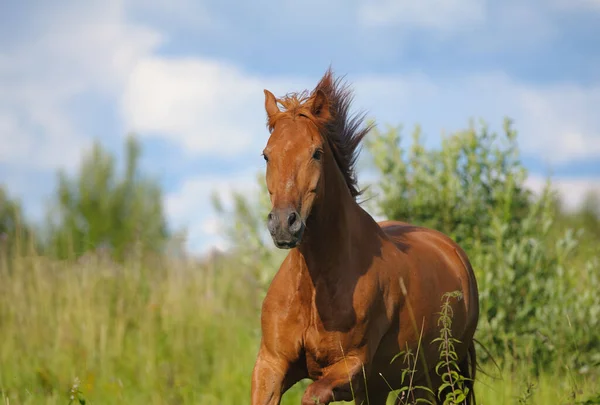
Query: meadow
[180,334]
[156,329]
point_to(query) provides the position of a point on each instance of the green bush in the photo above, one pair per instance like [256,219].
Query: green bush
[100,208]
[533,303]
[16,236]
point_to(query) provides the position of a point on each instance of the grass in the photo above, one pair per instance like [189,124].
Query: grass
[173,333]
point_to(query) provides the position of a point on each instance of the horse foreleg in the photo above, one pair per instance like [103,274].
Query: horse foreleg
[342,381]
[268,378]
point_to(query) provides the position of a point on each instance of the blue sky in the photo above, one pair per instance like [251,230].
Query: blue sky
[187,77]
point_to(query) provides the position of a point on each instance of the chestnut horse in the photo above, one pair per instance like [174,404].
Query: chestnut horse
[351,293]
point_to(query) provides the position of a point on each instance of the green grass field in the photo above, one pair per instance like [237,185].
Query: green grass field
[179,334]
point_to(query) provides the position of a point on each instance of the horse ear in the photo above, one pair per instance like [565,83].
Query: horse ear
[271,104]
[320,105]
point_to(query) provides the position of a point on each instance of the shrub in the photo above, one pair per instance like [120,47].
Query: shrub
[534,305]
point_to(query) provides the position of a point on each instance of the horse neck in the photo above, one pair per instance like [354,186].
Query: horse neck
[333,223]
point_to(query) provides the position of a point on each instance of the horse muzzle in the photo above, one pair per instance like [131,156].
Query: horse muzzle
[286,227]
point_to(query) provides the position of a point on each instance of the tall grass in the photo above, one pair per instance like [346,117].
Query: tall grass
[170,333]
[185,334]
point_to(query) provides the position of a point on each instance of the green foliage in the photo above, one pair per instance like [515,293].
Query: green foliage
[98,209]
[453,382]
[76,394]
[460,190]
[587,220]
[533,303]
[15,235]
[406,394]
[526,396]
[593,400]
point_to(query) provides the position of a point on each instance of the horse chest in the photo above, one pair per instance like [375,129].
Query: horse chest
[322,349]
[334,329]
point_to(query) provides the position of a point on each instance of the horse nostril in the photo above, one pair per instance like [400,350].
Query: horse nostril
[270,216]
[292,219]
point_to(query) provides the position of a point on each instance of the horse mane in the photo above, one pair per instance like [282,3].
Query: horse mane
[342,130]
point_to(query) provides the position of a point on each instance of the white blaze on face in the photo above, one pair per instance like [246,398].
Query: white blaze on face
[289,185]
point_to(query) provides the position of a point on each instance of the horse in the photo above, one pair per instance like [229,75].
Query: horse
[352,292]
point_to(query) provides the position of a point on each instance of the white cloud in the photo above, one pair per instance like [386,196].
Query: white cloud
[205,106]
[441,15]
[561,121]
[212,226]
[190,206]
[189,13]
[77,50]
[571,190]
[18,142]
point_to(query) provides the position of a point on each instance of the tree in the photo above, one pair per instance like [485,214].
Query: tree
[99,209]
[15,233]
[589,214]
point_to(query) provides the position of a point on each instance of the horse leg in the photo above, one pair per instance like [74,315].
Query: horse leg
[269,379]
[342,381]
[468,368]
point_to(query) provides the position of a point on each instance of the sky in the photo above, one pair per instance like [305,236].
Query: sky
[188,77]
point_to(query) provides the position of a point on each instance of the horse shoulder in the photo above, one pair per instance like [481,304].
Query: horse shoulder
[282,317]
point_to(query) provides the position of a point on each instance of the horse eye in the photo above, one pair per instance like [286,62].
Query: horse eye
[265,157]
[317,155]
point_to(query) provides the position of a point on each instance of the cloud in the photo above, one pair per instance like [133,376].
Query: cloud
[202,105]
[205,106]
[466,28]
[439,15]
[572,191]
[556,122]
[576,5]
[189,13]
[18,143]
[560,121]
[74,52]
[190,206]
